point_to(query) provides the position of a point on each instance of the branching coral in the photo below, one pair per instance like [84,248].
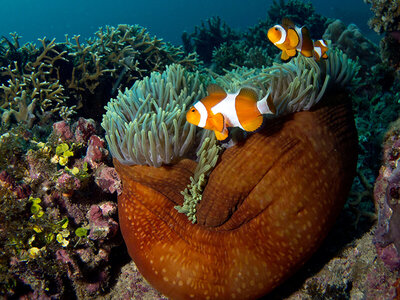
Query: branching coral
[387,15]
[125,53]
[147,125]
[206,38]
[33,91]
[387,20]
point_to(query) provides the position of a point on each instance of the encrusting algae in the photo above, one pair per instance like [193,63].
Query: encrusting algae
[269,200]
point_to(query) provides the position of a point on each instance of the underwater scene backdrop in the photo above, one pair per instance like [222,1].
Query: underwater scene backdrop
[212,150]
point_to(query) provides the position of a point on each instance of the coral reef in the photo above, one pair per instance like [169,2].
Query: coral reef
[355,273]
[387,21]
[387,195]
[57,234]
[387,16]
[206,38]
[58,79]
[301,12]
[31,90]
[219,46]
[350,40]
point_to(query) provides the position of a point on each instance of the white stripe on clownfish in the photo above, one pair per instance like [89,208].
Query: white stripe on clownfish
[318,50]
[283,35]
[227,107]
[203,113]
[220,110]
[300,34]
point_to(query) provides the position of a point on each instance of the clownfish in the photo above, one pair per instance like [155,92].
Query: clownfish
[320,49]
[219,111]
[292,39]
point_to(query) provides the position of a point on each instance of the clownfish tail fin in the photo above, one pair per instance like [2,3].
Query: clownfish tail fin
[254,124]
[266,105]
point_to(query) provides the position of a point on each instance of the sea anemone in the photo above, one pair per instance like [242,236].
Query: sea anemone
[146,124]
[269,201]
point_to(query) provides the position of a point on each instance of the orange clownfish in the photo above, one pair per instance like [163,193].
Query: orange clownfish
[320,49]
[292,39]
[219,111]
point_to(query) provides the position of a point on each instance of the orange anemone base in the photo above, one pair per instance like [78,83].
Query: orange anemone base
[266,208]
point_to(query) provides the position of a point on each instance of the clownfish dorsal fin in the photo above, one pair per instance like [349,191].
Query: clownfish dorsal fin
[305,32]
[288,22]
[215,89]
[248,92]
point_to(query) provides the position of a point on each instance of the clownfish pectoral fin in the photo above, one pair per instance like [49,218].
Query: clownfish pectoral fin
[284,55]
[215,89]
[254,124]
[217,121]
[221,135]
[293,38]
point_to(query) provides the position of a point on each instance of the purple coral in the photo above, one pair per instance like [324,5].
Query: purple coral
[102,225]
[96,151]
[62,130]
[387,202]
[84,129]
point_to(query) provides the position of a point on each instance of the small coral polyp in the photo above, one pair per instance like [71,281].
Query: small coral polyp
[269,200]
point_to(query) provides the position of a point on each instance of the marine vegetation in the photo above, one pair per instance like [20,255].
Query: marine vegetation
[229,213]
[196,214]
[59,79]
[386,20]
[57,236]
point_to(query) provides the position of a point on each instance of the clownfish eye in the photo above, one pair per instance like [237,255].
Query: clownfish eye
[276,28]
[193,110]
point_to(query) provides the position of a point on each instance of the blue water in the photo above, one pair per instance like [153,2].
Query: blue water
[166,19]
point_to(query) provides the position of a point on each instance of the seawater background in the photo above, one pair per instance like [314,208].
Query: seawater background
[166,19]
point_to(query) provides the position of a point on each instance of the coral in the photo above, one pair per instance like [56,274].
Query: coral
[32,91]
[114,59]
[146,124]
[60,226]
[39,85]
[227,54]
[387,20]
[387,16]
[301,12]
[245,214]
[387,195]
[132,285]
[351,41]
[353,273]
[205,38]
